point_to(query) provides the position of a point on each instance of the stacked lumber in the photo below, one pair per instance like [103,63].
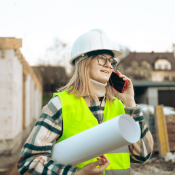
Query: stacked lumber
[153,131]
[170,121]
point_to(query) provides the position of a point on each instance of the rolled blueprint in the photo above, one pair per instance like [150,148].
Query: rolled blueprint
[96,141]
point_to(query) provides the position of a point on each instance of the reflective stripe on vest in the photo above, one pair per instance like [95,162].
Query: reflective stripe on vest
[121,154]
[115,172]
[76,114]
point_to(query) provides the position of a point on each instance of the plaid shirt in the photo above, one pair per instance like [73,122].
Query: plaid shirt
[35,156]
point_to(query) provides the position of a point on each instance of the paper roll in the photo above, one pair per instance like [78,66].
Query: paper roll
[96,141]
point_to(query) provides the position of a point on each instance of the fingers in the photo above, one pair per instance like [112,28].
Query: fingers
[101,161]
[105,157]
[96,167]
[105,163]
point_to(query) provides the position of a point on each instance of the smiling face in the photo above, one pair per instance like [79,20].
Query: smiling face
[98,72]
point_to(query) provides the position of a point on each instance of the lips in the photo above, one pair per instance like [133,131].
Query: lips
[105,71]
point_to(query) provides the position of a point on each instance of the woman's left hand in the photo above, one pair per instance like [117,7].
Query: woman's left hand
[127,97]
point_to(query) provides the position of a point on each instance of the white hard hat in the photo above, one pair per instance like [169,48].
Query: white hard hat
[93,40]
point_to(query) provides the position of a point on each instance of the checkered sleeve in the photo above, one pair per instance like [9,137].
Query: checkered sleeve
[140,151]
[35,156]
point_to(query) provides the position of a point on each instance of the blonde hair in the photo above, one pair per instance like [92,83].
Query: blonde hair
[80,82]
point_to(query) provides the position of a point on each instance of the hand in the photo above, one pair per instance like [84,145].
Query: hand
[92,169]
[127,97]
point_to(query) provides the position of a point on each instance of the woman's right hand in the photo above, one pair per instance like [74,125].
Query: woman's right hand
[92,169]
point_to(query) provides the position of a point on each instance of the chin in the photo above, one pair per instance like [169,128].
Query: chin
[103,81]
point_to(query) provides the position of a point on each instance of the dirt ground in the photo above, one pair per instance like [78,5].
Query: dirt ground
[154,166]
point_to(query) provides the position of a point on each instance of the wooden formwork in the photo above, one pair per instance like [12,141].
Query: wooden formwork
[161,131]
[170,123]
[16,44]
[9,43]
[153,131]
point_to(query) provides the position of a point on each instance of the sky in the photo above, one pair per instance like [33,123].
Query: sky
[140,25]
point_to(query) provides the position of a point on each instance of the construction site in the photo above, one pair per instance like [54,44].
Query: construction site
[21,90]
[50,51]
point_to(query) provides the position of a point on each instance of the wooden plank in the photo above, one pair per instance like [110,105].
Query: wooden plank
[170,119]
[172,146]
[11,43]
[14,43]
[161,129]
[170,125]
[29,70]
[171,137]
[171,130]
[2,42]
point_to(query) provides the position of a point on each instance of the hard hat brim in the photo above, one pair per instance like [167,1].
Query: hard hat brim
[116,54]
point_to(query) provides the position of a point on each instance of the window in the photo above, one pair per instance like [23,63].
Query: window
[134,64]
[159,66]
[144,66]
[166,78]
[166,66]
[162,64]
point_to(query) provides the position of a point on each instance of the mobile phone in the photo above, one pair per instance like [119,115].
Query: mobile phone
[116,82]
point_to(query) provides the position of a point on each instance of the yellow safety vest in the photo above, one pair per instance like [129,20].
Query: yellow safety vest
[77,118]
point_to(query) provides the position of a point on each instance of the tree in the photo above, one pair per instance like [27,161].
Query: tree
[59,54]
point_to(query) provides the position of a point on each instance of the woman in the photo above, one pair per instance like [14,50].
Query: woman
[82,104]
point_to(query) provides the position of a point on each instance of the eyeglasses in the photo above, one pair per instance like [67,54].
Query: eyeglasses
[102,60]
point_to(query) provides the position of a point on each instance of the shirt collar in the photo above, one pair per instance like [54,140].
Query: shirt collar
[98,89]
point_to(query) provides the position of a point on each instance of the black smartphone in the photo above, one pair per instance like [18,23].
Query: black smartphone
[116,82]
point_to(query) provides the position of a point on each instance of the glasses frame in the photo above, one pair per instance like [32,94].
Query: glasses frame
[107,59]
